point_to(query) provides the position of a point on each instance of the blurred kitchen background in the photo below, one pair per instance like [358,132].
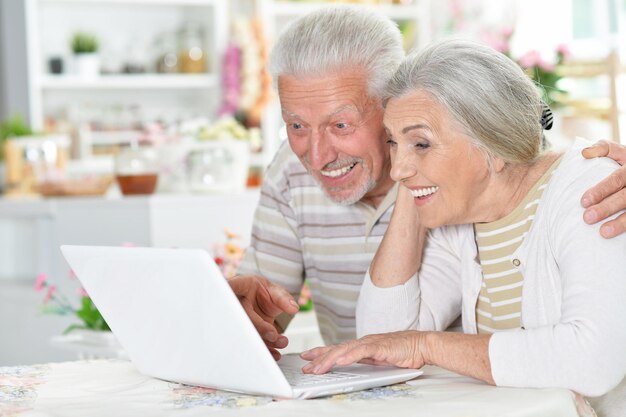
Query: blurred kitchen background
[150,122]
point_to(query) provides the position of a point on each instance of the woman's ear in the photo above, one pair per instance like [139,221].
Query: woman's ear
[498,164]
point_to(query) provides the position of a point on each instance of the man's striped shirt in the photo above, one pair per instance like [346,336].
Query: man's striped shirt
[299,233]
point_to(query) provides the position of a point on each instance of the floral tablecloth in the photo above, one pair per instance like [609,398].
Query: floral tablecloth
[114,388]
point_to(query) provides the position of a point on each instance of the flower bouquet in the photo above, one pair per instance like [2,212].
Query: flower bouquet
[229,255]
[56,303]
[543,72]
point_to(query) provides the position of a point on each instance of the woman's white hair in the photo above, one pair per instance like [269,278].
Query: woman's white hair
[338,38]
[487,93]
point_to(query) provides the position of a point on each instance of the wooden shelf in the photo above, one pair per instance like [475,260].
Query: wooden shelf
[586,69]
[605,108]
[139,2]
[583,69]
[129,82]
[592,107]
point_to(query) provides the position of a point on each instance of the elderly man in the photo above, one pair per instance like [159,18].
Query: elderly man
[327,196]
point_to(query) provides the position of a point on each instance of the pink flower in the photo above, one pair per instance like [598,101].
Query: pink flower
[82,293]
[40,283]
[506,32]
[230,235]
[501,46]
[563,51]
[72,274]
[51,290]
[305,295]
[496,41]
[546,66]
[530,59]
[456,8]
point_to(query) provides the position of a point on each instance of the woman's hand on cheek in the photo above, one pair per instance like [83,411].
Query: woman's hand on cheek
[401,349]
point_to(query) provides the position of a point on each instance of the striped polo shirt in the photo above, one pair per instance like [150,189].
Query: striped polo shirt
[299,233]
[499,303]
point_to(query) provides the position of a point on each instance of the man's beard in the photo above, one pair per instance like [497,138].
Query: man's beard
[355,195]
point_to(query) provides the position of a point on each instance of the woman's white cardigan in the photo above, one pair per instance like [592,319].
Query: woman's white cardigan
[574,294]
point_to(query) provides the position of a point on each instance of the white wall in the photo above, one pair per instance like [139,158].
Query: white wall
[13,61]
[2,82]
[542,25]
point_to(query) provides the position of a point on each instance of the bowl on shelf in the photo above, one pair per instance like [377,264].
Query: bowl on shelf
[90,186]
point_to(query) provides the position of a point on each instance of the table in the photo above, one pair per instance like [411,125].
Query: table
[113,387]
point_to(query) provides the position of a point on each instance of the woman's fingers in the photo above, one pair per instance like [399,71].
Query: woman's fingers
[345,354]
[399,349]
[311,354]
[323,362]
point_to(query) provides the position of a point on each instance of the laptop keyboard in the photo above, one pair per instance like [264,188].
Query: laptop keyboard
[295,377]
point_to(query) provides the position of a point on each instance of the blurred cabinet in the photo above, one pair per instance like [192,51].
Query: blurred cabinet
[412,16]
[133,35]
[31,232]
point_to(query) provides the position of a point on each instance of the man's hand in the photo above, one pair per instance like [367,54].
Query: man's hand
[263,302]
[609,196]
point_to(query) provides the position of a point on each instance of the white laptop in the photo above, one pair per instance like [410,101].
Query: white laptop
[178,320]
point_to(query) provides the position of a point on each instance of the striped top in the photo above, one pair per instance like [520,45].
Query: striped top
[499,303]
[298,233]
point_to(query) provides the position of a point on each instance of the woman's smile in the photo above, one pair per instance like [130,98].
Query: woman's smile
[422,195]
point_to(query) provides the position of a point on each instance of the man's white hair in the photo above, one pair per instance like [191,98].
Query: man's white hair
[338,38]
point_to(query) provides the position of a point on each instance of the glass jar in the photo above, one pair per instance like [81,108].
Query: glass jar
[218,166]
[137,170]
[167,58]
[192,56]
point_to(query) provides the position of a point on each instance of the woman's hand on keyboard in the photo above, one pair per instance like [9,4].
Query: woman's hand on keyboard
[402,349]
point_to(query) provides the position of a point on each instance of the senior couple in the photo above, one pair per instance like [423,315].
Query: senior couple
[441,154]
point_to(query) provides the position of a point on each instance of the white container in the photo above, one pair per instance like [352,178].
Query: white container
[87,65]
[90,344]
[218,166]
[173,166]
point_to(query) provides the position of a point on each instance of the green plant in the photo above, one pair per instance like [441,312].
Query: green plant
[56,303]
[84,43]
[304,300]
[13,127]
[545,74]
[91,317]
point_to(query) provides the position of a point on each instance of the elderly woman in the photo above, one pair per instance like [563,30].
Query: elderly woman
[543,296]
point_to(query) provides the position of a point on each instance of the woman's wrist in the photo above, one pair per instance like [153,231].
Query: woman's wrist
[465,354]
[424,346]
